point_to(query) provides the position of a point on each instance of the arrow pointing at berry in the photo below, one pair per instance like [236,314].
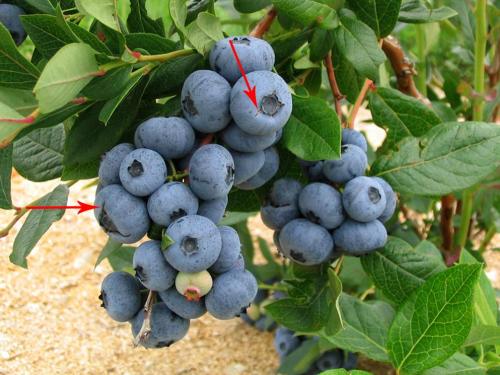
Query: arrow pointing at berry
[251,90]
[82,207]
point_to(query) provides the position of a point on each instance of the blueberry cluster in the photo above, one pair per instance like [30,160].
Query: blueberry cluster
[170,181]
[339,211]
[286,341]
[9,17]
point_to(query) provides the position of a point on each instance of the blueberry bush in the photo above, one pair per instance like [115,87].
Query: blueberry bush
[190,117]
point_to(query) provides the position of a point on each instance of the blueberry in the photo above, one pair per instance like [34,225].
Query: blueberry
[391,200]
[122,216]
[121,296]
[277,217]
[321,204]
[142,172]
[282,204]
[313,170]
[213,209]
[246,164]
[274,103]
[285,341]
[109,169]
[266,173]
[353,137]
[240,141]
[9,17]
[197,244]
[166,327]
[306,243]
[170,202]
[171,137]
[151,268]
[265,324]
[352,163]
[350,362]
[211,172]
[239,265]
[230,252]
[205,101]
[254,53]
[181,306]
[285,191]
[364,199]
[330,360]
[195,285]
[231,294]
[357,238]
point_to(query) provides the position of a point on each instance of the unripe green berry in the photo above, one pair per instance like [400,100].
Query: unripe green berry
[193,285]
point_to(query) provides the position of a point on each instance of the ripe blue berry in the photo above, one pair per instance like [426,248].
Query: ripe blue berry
[352,163]
[266,173]
[181,306]
[241,141]
[109,169]
[364,199]
[391,200]
[121,296]
[246,164]
[353,137]
[151,268]
[230,252]
[213,209]
[285,342]
[356,238]
[322,204]
[9,17]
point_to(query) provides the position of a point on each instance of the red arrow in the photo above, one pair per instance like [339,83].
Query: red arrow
[82,207]
[251,90]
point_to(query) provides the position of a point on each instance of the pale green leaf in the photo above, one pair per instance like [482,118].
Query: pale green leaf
[102,10]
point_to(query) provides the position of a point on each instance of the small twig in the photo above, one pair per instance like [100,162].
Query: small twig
[145,330]
[337,95]
[338,266]
[263,26]
[446,222]
[165,56]
[366,293]
[359,102]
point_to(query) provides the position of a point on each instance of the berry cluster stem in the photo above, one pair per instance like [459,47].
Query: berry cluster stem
[359,102]
[145,330]
[263,26]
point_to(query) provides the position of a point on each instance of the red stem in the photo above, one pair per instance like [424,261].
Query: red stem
[263,26]
[337,95]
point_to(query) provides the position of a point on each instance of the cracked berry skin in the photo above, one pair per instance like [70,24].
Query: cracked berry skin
[391,200]
[254,53]
[213,209]
[211,172]
[121,296]
[353,137]
[266,173]
[9,17]
[205,101]
[306,243]
[285,342]
[142,172]
[166,326]
[364,199]
[197,244]
[330,360]
[352,163]
[274,104]
[109,168]
[246,164]
[240,141]
[181,306]
[123,216]
[230,251]
[231,294]
[151,268]
[170,202]
[171,137]
[355,238]
[322,204]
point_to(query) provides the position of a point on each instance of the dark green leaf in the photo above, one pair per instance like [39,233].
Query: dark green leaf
[250,6]
[89,38]
[398,269]
[37,223]
[349,80]
[357,42]
[152,43]
[195,7]
[5,175]
[38,156]
[313,131]
[231,218]
[458,364]
[109,85]
[301,359]
[435,321]
[285,45]
[307,12]
[401,115]
[121,260]
[321,43]
[44,6]
[15,71]
[21,101]
[450,157]
[414,11]
[108,249]
[380,15]
[112,104]
[139,22]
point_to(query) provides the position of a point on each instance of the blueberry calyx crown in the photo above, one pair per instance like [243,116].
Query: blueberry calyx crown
[135,169]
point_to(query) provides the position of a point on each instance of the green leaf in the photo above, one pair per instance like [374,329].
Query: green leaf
[231,218]
[415,12]
[152,43]
[178,12]
[458,364]
[349,80]
[15,71]
[380,15]
[335,323]
[108,249]
[9,130]
[121,260]
[89,38]
[109,85]
[102,10]
[483,335]
[166,240]
[301,359]
[366,325]
[44,6]
[313,131]
[250,6]
[38,156]
[204,32]
[398,269]
[321,43]
[307,12]
[358,43]
[287,44]
[435,321]
[5,175]
[37,223]
[65,75]
[21,101]
[401,115]
[139,22]
[450,157]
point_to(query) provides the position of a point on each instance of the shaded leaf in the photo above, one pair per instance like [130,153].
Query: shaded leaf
[380,15]
[307,12]
[414,11]
[5,175]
